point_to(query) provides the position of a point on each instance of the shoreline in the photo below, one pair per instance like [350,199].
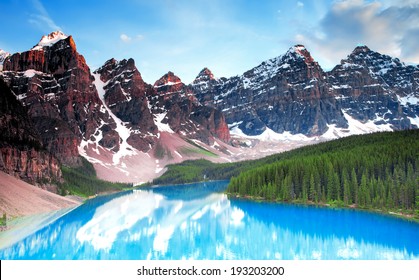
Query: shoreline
[387,212]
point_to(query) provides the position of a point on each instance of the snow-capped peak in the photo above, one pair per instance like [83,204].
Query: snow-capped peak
[3,56]
[50,39]
[299,51]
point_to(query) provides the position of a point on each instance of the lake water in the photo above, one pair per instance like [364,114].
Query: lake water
[198,221]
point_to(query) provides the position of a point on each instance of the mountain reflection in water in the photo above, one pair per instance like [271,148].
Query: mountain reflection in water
[198,221]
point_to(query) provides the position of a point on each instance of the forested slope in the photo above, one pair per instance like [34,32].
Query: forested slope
[368,171]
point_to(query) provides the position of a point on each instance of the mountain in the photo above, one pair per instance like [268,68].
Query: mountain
[125,94]
[286,93]
[292,94]
[111,116]
[377,89]
[130,129]
[53,81]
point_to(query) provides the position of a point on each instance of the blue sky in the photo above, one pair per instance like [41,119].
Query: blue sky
[227,36]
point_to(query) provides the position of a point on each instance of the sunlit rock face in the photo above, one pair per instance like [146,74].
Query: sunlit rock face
[54,83]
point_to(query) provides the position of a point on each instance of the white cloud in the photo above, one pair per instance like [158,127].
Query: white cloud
[300,4]
[389,30]
[125,38]
[42,18]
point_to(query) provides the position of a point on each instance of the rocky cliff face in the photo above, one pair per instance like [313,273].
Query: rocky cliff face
[21,152]
[291,93]
[175,104]
[377,88]
[54,82]
[126,96]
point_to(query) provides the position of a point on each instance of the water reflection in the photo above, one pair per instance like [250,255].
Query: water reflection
[198,222]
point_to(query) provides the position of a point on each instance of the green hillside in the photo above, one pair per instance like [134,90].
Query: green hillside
[368,171]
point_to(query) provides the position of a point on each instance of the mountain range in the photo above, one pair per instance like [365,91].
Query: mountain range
[55,110]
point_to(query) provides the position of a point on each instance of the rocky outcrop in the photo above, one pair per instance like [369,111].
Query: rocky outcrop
[21,150]
[54,82]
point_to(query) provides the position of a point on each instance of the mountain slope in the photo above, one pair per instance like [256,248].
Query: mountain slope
[291,94]
[21,151]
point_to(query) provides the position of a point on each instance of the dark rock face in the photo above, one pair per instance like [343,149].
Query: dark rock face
[126,95]
[21,152]
[287,93]
[292,93]
[54,82]
[372,86]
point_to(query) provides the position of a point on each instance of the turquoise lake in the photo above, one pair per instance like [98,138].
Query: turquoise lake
[198,221]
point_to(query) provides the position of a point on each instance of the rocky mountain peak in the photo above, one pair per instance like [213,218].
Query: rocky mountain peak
[298,52]
[361,49]
[376,63]
[205,74]
[302,51]
[113,68]
[204,77]
[3,56]
[168,79]
[51,39]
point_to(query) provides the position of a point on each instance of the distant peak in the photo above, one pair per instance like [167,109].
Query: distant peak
[3,55]
[204,75]
[361,49]
[299,47]
[206,72]
[300,51]
[111,61]
[168,79]
[50,39]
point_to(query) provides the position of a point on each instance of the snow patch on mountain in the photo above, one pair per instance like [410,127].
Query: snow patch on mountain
[158,118]
[271,136]
[49,40]
[355,127]
[124,132]
[31,72]
[410,99]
